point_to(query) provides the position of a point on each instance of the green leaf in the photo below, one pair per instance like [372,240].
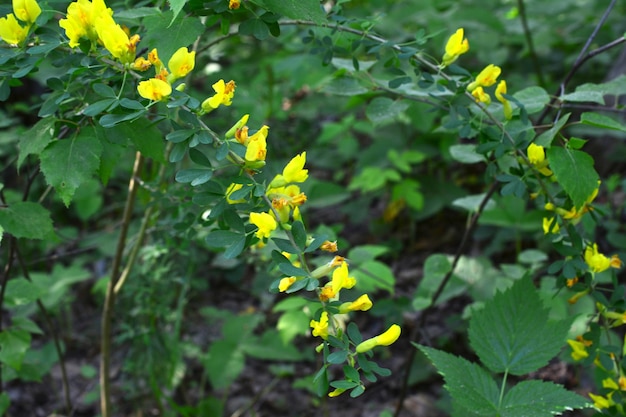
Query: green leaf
[512,333]
[345,86]
[534,99]
[539,399]
[255,27]
[5,401]
[149,142]
[466,154]
[384,109]
[20,291]
[98,107]
[600,120]
[194,176]
[546,138]
[104,90]
[68,163]
[364,253]
[176,6]
[224,363]
[167,33]
[291,270]
[236,248]
[36,140]
[26,220]
[470,386]
[584,96]
[297,9]
[374,275]
[270,347]
[13,346]
[574,171]
[222,238]
[299,234]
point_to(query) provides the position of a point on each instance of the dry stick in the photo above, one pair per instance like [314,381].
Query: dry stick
[109,301]
[55,337]
[581,59]
[521,7]
[422,320]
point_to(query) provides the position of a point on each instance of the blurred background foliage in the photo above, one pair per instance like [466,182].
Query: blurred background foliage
[388,180]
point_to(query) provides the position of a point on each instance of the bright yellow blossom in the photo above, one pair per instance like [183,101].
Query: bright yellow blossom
[320,328]
[601,402]
[26,10]
[80,21]
[363,303]
[257,146]
[579,350]
[265,222]
[329,246]
[181,64]
[234,4]
[486,78]
[224,93]
[141,64]
[336,392]
[456,46]
[285,283]
[154,89]
[550,225]
[598,262]
[231,189]
[340,280]
[480,96]
[11,31]
[390,336]
[537,157]
[506,106]
[610,384]
[293,172]
[116,40]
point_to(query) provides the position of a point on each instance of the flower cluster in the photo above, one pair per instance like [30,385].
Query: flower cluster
[25,12]
[458,45]
[159,87]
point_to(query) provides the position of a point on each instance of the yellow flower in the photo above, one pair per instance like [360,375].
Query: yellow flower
[610,384]
[336,392]
[506,106]
[537,157]
[224,93]
[265,222]
[237,126]
[570,282]
[116,40]
[601,402]
[181,63]
[234,4]
[622,383]
[579,350]
[456,46]
[320,328]
[486,78]
[363,303]
[340,280]
[257,146]
[329,246]
[154,89]
[285,283]
[11,31]
[550,225]
[141,64]
[231,189]
[293,172]
[596,261]
[26,10]
[390,336]
[480,96]
[81,20]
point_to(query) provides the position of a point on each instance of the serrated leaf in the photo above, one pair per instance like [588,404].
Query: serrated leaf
[20,291]
[540,399]
[68,163]
[297,9]
[600,120]
[176,6]
[575,173]
[470,386]
[149,142]
[512,333]
[384,109]
[38,137]
[26,220]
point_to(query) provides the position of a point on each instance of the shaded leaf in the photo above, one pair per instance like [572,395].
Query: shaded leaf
[26,220]
[575,172]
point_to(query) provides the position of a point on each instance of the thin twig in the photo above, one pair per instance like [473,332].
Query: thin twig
[109,301]
[580,60]
[521,7]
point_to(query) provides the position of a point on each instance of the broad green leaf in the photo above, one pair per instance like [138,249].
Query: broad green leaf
[36,139]
[470,386]
[364,253]
[539,399]
[68,163]
[194,176]
[534,99]
[344,86]
[600,120]
[384,109]
[168,34]
[150,142]
[546,138]
[20,291]
[595,93]
[584,96]
[26,220]
[373,275]
[176,6]
[297,9]
[466,154]
[574,171]
[512,333]
[13,346]
[224,363]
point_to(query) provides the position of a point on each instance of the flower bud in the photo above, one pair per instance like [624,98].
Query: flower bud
[385,339]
